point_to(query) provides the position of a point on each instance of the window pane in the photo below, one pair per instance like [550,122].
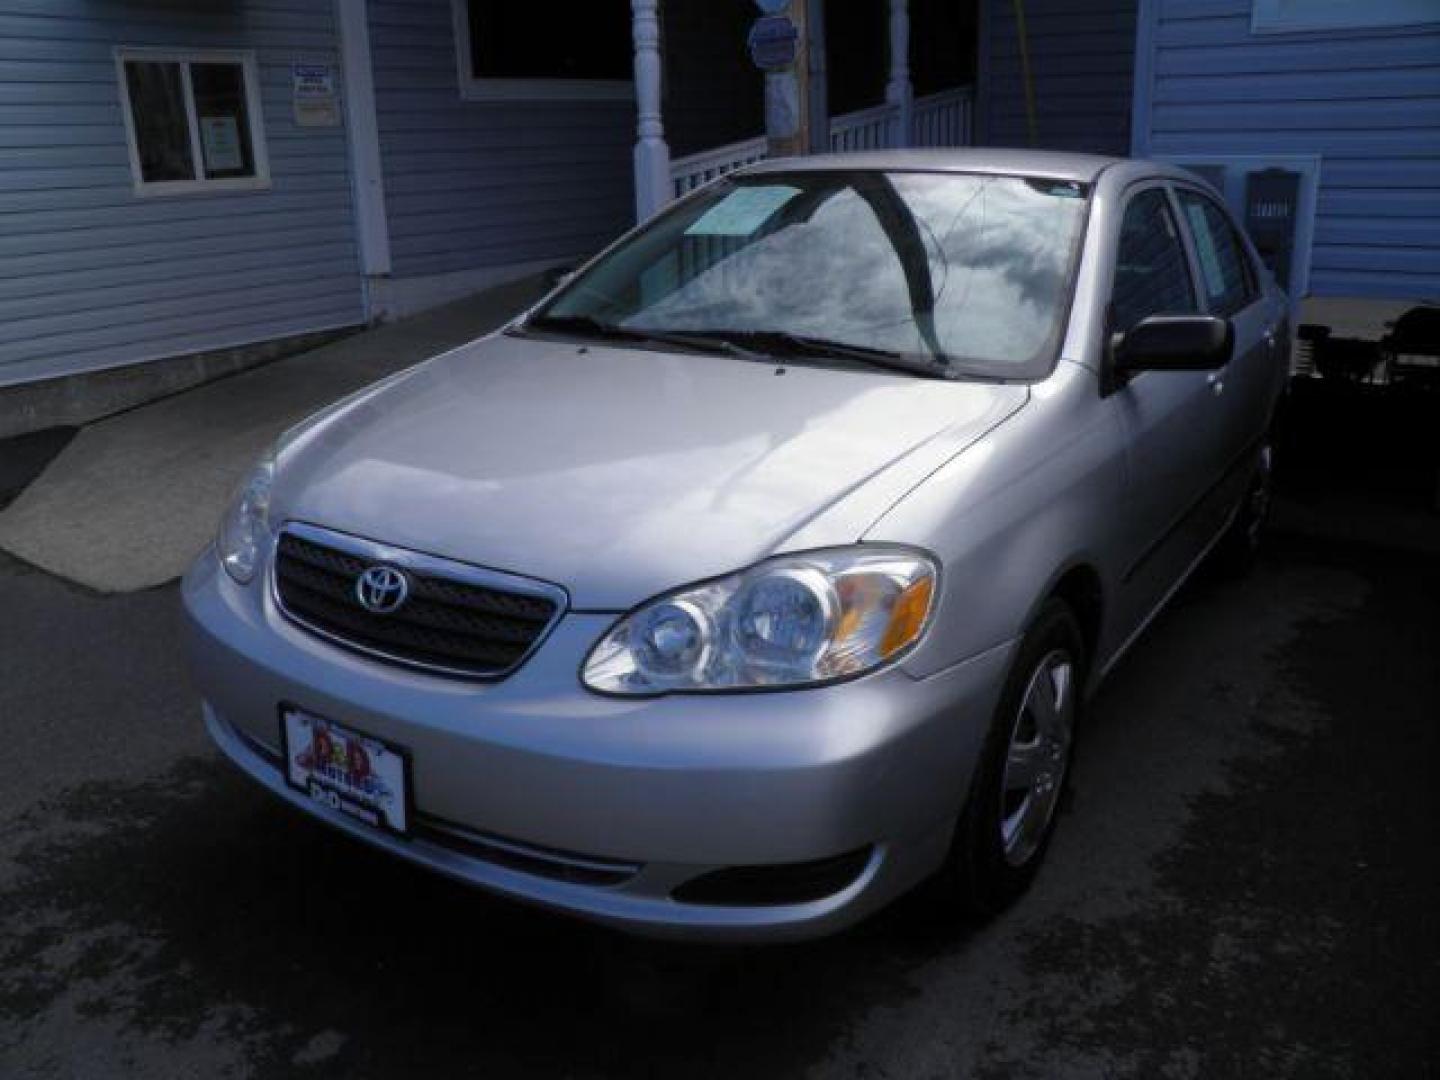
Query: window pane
[510,40]
[1222,263]
[157,109]
[223,120]
[1151,277]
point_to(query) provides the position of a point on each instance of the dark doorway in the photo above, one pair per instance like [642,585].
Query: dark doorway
[713,93]
[857,38]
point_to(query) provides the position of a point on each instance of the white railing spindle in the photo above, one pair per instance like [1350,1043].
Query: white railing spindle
[937,120]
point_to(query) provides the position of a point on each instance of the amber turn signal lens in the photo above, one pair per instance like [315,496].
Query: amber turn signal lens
[907,618]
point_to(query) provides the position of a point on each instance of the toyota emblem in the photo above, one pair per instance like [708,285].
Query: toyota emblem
[381,590]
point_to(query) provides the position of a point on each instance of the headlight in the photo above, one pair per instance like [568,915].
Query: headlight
[245,528]
[790,621]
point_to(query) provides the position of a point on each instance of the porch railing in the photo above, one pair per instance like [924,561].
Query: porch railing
[937,120]
[691,172]
[942,119]
[864,129]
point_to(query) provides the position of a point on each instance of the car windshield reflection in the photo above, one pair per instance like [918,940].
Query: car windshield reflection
[938,273]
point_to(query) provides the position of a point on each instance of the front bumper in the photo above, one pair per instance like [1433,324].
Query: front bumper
[647,793]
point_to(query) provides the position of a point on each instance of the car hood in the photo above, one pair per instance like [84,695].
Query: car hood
[619,473]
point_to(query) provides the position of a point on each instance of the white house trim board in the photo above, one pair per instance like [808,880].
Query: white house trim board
[1292,16]
[473,89]
[367,174]
[200,185]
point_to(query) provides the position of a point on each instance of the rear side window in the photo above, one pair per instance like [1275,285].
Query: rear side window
[1151,274]
[1225,269]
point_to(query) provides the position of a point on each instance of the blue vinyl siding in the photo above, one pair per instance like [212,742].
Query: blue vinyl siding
[94,276]
[474,184]
[1366,101]
[1082,55]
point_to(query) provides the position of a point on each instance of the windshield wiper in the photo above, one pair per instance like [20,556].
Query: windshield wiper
[593,327]
[782,343]
[762,346]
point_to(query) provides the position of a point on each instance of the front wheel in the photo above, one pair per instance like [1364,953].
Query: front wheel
[1009,817]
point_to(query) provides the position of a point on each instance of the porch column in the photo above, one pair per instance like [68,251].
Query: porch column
[819,103]
[899,93]
[652,156]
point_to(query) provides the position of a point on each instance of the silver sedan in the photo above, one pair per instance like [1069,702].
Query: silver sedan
[762,571]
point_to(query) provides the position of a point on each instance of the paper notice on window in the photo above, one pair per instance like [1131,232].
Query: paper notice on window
[220,136]
[1205,248]
[742,211]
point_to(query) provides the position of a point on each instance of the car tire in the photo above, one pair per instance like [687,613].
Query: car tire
[1009,817]
[1239,548]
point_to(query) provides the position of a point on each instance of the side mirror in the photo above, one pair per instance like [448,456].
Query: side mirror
[1174,343]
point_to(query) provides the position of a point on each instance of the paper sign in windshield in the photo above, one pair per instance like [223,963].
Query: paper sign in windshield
[742,211]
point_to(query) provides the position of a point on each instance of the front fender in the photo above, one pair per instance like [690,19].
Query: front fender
[1011,515]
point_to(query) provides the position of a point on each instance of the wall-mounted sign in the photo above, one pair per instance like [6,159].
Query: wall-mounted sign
[1272,197]
[313,96]
[774,42]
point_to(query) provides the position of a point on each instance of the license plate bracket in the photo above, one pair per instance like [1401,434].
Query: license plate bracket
[356,774]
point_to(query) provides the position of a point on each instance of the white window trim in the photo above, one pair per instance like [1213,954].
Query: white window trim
[1287,16]
[473,89]
[200,185]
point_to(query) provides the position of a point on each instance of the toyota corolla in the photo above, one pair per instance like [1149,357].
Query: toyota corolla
[762,571]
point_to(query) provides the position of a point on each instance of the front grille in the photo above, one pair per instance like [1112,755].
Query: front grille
[457,619]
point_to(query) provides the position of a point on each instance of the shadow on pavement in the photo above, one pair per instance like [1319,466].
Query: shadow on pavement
[1244,884]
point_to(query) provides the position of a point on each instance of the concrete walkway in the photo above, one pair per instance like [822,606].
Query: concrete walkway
[134,497]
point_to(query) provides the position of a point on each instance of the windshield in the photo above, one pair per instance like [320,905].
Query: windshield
[958,274]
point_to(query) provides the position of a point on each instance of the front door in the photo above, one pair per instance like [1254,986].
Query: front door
[1172,419]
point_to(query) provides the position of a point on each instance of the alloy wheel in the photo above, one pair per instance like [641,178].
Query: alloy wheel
[1037,757]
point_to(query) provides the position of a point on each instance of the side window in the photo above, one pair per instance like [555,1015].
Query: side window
[1151,274]
[1225,269]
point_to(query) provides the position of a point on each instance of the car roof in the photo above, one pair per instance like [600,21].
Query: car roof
[1049,164]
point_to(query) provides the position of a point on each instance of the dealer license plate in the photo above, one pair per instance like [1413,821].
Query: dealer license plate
[356,774]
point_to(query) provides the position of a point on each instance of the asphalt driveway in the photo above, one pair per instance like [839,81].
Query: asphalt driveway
[1245,884]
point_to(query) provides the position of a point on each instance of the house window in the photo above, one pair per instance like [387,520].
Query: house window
[510,51]
[1284,16]
[192,121]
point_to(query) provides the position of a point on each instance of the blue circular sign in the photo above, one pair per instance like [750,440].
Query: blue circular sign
[774,42]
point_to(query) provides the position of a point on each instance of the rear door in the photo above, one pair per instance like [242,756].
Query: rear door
[1230,288]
